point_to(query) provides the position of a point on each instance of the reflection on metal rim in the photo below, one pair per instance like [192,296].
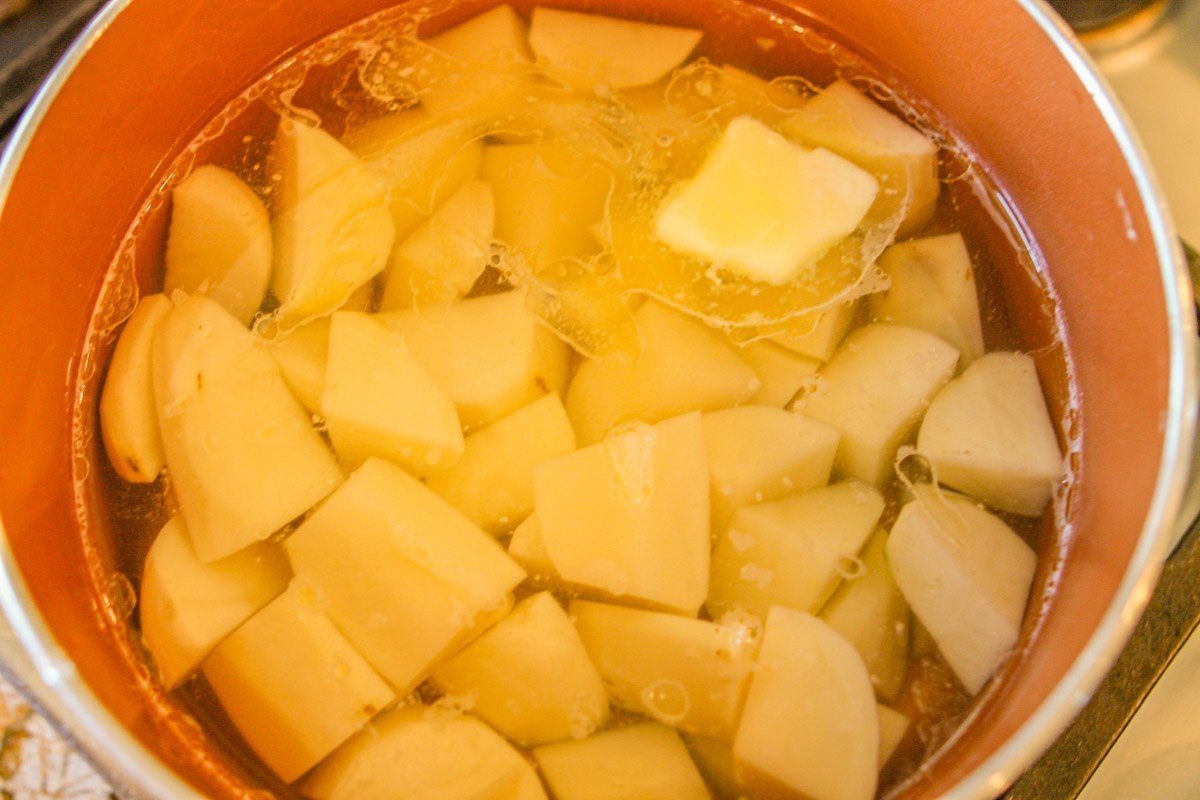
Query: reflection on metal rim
[135,772]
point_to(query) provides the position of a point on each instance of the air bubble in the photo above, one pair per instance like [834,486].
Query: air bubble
[851,568]
[667,700]
[120,598]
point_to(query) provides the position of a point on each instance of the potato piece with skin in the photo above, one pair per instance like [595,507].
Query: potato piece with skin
[620,53]
[933,289]
[781,373]
[870,612]
[292,685]
[988,433]
[395,563]
[128,417]
[967,576]
[379,401]
[641,762]
[188,607]
[847,122]
[421,752]
[820,339]
[529,677]
[875,391]
[492,484]
[683,365]
[790,552]
[764,207]
[544,211]
[243,455]
[301,355]
[757,453]
[629,517]
[810,727]
[333,232]
[441,260]
[490,354]
[423,162]
[893,727]
[219,243]
[687,673]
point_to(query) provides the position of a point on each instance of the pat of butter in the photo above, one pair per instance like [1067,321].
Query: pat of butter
[763,206]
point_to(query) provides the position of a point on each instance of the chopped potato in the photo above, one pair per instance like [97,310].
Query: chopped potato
[488,353]
[188,607]
[988,433]
[492,484]
[932,289]
[642,762]
[810,727]
[966,575]
[757,454]
[242,453]
[683,672]
[875,391]
[683,366]
[292,685]
[764,207]
[392,562]
[792,552]
[527,549]
[128,417]
[219,242]
[379,401]
[301,354]
[494,35]
[529,676]
[821,338]
[870,612]
[628,518]
[418,752]
[781,372]
[893,727]
[619,52]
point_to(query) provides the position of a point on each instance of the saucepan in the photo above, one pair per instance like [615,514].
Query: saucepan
[1004,75]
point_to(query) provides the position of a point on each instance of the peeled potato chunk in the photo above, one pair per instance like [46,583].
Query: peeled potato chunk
[871,614]
[405,577]
[757,453]
[441,260]
[219,243]
[781,373]
[967,577]
[243,455]
[714,758]
[621,53]
[333,232]
[490,354]
[791,552]
[379,401]
[492,484]
[128,417]
[683,672]
[529,676]
[422,162]
[629,517]
[893,727]
[933,289]
[763,206]
[822,339]
[527,549]
[847,122]
[810,727]
[494,35]
[486,54]
[188,607]
[543,209]
[875,391]
[424,753]
[988,433]
[292,685]
[683,365]
[301,354]
[641,762]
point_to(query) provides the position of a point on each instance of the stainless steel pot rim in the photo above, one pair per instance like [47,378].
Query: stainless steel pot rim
[74,709]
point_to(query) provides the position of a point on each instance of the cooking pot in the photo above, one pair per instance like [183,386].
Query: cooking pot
[1006,77]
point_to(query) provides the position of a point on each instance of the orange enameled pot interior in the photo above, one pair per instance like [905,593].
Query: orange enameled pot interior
[164,67]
